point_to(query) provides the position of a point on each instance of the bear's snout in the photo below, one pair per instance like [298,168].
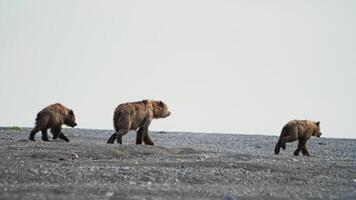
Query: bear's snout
[167,113]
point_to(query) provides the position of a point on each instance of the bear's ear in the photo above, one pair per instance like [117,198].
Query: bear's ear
[318,123]
[71,112]
[160,103]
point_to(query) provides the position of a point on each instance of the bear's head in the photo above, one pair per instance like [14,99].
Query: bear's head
[69,119]
[160,109]
[316,130]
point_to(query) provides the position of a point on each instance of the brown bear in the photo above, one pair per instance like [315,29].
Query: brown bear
[53,117]
[137,115]
[300,130]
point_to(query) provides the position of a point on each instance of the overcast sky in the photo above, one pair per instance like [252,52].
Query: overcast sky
[221,66]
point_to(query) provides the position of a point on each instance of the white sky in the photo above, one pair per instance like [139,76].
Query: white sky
[221,66]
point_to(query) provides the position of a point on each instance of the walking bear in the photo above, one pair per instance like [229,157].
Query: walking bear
[300,130]
[137,115]
[53,117]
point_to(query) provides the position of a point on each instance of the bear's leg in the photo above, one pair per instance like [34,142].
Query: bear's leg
[301,144]
[112,138]
[147,139]
[33,133]
[116,135]
[122,126]
[139,135]
[290,138]
[278,146]
[44,135]
[63,137]
[55,132]
[119,140]
[283,146]
[305,150]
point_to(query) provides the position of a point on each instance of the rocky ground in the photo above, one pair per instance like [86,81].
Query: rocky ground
[180,166]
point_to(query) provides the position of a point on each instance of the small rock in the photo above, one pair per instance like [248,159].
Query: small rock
[109,194]
[229,197]
[74,156]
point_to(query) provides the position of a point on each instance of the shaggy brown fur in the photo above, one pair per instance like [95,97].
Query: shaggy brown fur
[300,130]
[53,117]
[137,115]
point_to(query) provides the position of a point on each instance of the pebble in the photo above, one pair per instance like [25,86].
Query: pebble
[109,194]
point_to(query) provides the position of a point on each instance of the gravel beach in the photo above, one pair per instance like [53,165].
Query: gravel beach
[179,166]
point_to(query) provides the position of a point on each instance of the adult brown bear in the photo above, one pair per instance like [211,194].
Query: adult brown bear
[300,130]
[137,115]
[53,117]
